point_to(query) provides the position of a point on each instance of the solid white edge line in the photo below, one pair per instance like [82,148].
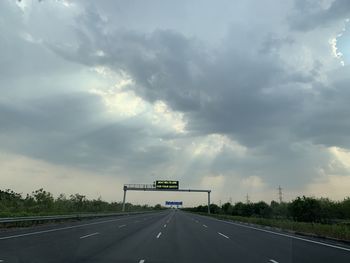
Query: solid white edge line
[223,235]
[159,234]
[205,225]
[121,226]
[62,228]
[273,261]
[90,235]
[142,261]
[281,234]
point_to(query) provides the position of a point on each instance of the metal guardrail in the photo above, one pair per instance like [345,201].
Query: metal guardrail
[9,220]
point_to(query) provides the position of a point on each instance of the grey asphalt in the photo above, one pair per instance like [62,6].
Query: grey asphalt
[167,236]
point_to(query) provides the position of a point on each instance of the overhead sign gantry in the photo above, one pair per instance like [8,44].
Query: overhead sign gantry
[161,185]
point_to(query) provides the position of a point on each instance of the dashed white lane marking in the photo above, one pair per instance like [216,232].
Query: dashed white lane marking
[1,260]
[273,261]
[90,235]
[142,261]
[205,226]
[221,234]
[283,235]
[62,228]
[122,226]
[165,226]
[159,234]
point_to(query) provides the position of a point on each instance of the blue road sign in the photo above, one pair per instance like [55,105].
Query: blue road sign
[173,203]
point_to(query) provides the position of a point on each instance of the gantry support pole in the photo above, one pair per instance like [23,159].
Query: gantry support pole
[208,202]
[125,188]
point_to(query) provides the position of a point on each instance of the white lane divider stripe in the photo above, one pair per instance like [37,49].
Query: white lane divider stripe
[284,235]
[159,234]
[142,261]
[221,234]
[164,225]
[205,226]
[273,261]
[289,236]
[62,228]
[90,235]
[121,226]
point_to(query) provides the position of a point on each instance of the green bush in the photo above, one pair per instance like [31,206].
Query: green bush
[41,202]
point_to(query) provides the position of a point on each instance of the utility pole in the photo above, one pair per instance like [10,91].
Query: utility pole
[230,200]
[280,195]
[247,199]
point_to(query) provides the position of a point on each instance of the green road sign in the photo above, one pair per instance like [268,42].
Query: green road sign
[167,184]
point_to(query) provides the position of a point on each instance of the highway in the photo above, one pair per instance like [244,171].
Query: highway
[166,236]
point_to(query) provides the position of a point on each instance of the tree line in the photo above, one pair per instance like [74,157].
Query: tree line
[43,202]
[301,209]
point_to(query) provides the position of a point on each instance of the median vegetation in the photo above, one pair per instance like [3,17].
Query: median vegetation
[41,202]
[320,217]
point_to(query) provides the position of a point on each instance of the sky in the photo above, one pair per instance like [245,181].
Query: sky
[239,97]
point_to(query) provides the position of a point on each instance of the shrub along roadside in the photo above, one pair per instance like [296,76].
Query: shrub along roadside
[41,202]
[337,231]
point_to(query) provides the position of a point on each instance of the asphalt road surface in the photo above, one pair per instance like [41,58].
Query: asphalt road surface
[167,236]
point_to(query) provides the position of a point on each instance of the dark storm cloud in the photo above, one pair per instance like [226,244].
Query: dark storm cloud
[162,63]
[234,69]
[71,129]
[221,91]
[243,88]
[40,125]
[327,119]
[310,14]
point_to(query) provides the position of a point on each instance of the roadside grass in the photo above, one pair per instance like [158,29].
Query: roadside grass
[339,231]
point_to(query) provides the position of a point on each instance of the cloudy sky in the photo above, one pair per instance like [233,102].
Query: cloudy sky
[234,96]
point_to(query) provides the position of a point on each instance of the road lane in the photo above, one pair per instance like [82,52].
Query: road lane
[169,236]
[134,245]
[184,240]
[281,248]
[64,245]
